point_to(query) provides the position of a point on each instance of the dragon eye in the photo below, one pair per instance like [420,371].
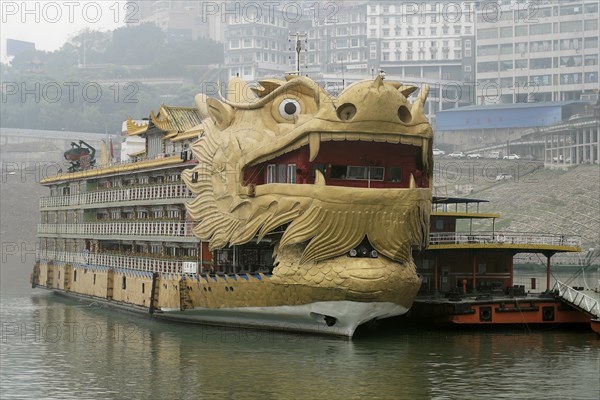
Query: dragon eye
[289,109]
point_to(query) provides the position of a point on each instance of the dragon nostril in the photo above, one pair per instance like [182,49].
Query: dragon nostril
[404,114]
[346,111]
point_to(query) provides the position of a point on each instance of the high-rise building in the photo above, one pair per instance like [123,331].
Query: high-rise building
[537,51]
[258,43]
[425,42]
[336,39]
[332,41]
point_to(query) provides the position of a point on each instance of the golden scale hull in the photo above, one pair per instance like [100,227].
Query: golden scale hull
[333,299]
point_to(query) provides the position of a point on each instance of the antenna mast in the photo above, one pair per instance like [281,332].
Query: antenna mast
[298,37]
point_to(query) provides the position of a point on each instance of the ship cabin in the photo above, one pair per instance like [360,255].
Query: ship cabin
[463,260]
[468,275]
[130,214]
[127,213]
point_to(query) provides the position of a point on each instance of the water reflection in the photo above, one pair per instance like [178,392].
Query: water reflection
[59,348]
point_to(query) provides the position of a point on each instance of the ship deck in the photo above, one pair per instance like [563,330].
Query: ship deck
[498,308]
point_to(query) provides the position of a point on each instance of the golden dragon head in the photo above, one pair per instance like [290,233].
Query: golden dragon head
[328,172]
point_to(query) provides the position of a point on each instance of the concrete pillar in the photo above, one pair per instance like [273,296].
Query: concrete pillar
[595,147]
[589,145]
[546,149]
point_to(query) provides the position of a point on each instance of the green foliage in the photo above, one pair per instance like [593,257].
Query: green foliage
[117,61]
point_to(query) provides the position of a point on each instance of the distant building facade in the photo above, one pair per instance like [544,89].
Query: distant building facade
[573,142]
[181,19]
[426,41]
[508,128]
[257,44]
[538,51]
[336,44]
[14,46]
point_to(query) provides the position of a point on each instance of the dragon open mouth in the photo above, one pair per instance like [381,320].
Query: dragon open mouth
[349,159]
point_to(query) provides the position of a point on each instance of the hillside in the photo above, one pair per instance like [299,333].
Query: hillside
[533,200]
[19,199]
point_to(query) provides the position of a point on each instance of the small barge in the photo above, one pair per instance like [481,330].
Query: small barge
[468,276]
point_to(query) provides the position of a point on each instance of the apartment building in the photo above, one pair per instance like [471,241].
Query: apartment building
[425,42]
[538,51]
[258,44]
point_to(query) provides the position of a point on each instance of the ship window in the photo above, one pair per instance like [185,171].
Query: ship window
[357,173]
[124,282]
[338,171]
[395,174]
[291,173]
[365,173]
[271,171]
[376,173]
[439,224]
[281,173]
[143,287]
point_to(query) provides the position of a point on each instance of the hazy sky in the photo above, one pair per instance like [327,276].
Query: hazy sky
[50,23]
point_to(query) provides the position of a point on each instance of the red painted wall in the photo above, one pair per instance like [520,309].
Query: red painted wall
[347,153]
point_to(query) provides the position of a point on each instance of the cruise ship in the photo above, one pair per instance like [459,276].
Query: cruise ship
[278,206]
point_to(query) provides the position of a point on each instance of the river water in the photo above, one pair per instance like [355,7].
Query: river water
[57,348]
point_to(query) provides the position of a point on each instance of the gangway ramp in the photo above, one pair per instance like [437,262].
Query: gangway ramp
[587,301]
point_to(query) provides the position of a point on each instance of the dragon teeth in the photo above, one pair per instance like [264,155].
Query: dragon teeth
[413,184]
[319,178]
[314,143]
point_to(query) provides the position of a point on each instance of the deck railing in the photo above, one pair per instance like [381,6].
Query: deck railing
[142,228]
[115,261]
[135,193]
[504,238]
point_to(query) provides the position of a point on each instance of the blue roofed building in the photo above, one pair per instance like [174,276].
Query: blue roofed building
[507,116]
[500,126]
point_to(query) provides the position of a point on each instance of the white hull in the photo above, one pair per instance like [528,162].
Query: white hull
[343,316]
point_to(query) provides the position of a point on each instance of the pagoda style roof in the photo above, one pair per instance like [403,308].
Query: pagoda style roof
[136,127]
[138,153]
[178,119]
[170,119]
[192,133]
[113,169]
